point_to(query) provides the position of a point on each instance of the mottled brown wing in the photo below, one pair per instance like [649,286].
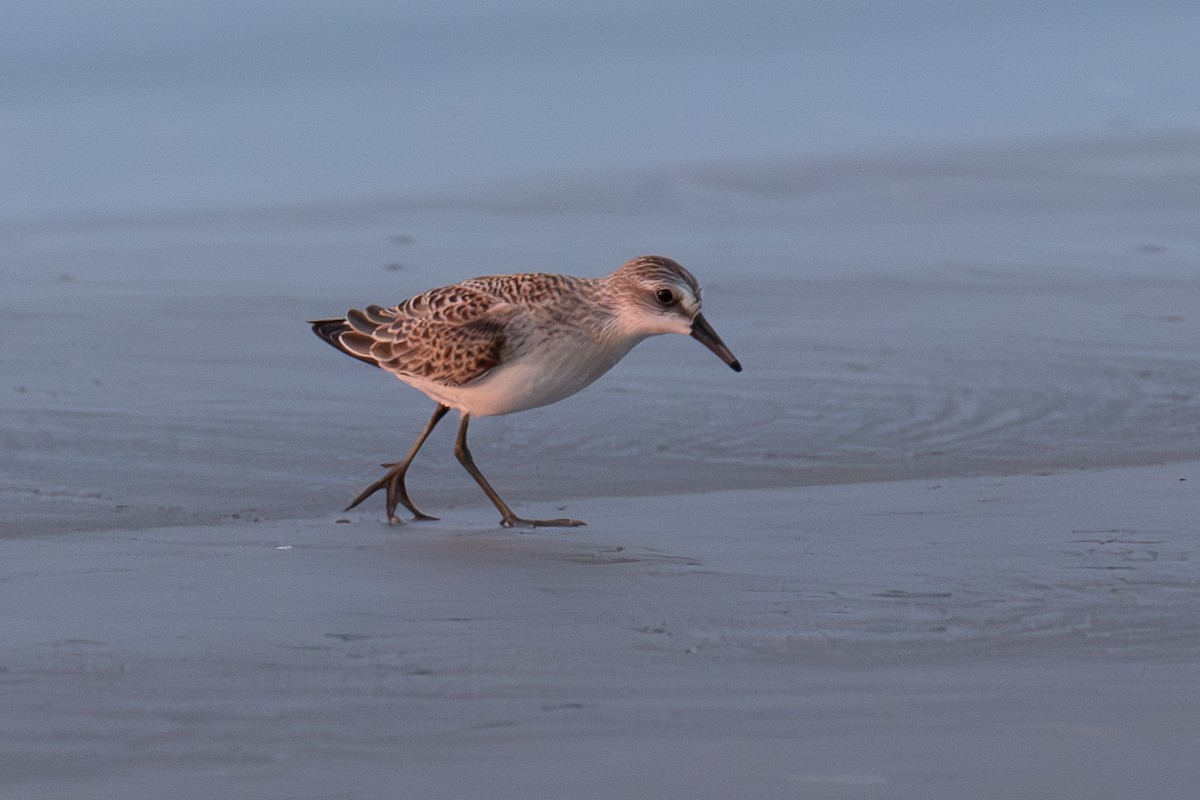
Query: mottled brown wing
[528,288]
[450,335]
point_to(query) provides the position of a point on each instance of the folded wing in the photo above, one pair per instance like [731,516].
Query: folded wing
[450,335]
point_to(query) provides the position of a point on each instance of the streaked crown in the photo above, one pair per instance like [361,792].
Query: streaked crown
[658,295]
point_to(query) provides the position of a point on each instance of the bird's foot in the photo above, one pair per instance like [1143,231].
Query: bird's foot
[397,495]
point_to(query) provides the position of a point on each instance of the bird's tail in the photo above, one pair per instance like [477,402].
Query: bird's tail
[331,331]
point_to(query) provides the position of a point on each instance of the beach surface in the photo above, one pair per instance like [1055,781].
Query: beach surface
[987,637]
[938,540]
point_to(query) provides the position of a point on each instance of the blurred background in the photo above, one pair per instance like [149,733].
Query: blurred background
[127,122]
[138,108]
[943,236]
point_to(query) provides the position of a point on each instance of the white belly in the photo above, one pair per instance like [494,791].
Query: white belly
[537,378]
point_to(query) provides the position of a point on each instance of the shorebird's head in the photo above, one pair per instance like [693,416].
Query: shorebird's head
[660,296]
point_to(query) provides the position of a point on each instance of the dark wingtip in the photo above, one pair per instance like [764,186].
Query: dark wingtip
[736,366]
[330,331]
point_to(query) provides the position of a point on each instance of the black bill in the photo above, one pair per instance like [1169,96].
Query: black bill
[703,333]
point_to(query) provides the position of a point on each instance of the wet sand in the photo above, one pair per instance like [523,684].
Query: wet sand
[936,541]
[986,637]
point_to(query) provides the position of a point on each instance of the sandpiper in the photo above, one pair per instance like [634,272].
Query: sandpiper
[505,343]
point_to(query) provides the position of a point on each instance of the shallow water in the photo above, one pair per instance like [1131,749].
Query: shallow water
[118,107]
[165,359]
[941,241]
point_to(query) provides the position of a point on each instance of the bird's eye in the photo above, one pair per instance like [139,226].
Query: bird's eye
[665,296]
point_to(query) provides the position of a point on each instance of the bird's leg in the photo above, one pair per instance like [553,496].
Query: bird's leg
[509,519]
[397,493]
